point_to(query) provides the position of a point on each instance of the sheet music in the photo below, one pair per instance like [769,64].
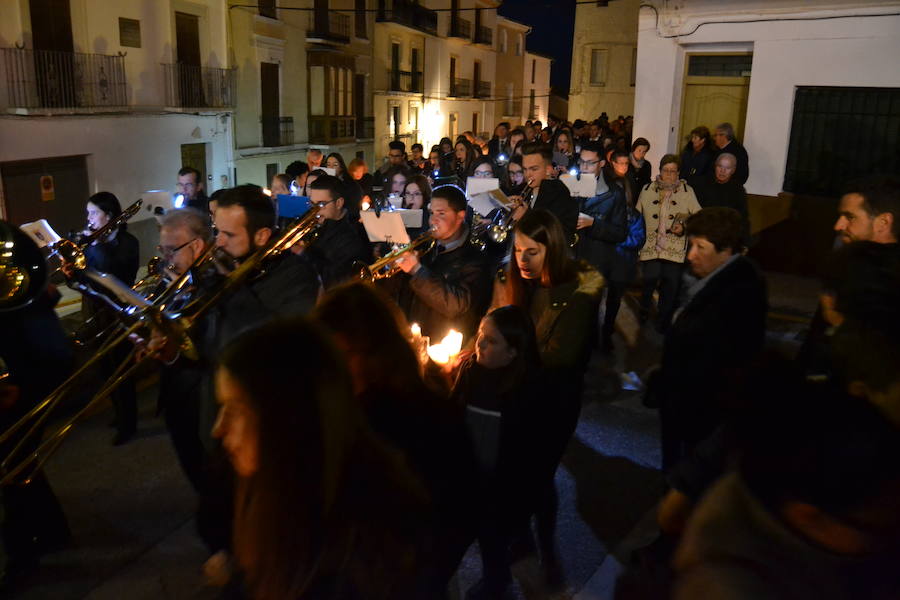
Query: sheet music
[412,217]
[585,187]
[41,232]
[486,202]
[388,227]
[478,185]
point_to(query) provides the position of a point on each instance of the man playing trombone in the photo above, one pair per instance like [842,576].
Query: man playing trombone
[448,287]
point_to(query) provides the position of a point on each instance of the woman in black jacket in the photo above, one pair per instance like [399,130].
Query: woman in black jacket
[697,155]
[499,387]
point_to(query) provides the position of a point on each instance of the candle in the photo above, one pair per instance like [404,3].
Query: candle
[447,349]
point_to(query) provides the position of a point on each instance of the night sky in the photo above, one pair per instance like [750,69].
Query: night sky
[553,25]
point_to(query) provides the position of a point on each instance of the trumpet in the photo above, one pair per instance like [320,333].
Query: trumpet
[386,266]
[71,252]
[170,313]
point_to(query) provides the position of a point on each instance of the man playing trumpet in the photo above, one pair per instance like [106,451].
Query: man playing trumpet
[449,285]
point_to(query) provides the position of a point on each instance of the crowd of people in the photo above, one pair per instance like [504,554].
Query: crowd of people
[332,459]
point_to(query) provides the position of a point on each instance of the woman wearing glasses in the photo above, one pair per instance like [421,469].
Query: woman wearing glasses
[665,204]
[416,196]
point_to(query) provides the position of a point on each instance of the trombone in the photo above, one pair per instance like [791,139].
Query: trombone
[164,313]
[71,253]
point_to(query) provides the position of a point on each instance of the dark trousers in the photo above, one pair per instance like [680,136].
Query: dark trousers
[183,422]
[33,519]
[215,510]
[615,290]
[666,275]
[124,398]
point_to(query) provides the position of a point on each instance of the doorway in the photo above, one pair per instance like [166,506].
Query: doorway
[187,48]
[716,88]
[22,190]
[54,60]
[194,155]
[270,104]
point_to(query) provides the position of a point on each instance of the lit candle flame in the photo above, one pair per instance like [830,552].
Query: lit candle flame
[365,206]
[416,329]
[447,349]
[267,191]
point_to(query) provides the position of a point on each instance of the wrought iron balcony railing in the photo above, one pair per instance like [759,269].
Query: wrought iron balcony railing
[484,35]
[331,25]
[461,88]
[365,128]
[409,14]
[406,81]
[190,86]
[460,28]
[512,108]
[483,89]
[332,130]
[277,131]
[65,80]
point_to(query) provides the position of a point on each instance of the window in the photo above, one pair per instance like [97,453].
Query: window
[533,68]
[503,41]
[475,123]
[271,171]
[519,45]
[829,120]
[267,8]
[717,65]
[129,33]
[598,66]
[633,66]
[360,15]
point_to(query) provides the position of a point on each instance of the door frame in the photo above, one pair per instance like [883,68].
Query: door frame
[707,80]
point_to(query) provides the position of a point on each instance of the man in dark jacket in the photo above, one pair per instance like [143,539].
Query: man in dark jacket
[448,287]
[339,246]
[713,337]
[722,189]
[499,144]
[724,138]
[190,186]
[547,194]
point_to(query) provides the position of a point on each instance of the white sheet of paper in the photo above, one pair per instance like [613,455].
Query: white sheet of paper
[386,228]
[331,172]
[585,187]
[119,289]
[485,202]
[412,217]
[477,185]
[41,232]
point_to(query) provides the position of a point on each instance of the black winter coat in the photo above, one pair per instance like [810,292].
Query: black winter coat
[597,243]
[742,171]
[337,250]
[554,196]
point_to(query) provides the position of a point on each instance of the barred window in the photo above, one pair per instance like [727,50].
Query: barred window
[839,134]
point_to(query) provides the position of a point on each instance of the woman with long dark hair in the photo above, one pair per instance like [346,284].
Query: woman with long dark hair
[697,155]
[499,386]
[353,192]
[417,195]
[323,509]
[562,296]
[465,157]
[410,413]
[117,254]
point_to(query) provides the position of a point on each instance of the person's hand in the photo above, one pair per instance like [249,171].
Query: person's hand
[677,228]
[584,221]
[298,248]
[409,262]
[519,212]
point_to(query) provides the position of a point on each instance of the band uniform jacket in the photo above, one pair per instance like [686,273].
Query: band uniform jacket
[553,196]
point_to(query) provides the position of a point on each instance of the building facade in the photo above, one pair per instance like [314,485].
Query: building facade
[116,98]
[604,59]
[537,86]
[510,76]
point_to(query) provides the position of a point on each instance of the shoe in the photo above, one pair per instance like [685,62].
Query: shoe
[217,569]
[122,437]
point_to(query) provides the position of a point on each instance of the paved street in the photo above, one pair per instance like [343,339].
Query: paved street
[130,508]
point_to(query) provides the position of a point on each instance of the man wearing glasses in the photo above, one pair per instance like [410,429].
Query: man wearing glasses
[340,244]
[396,160]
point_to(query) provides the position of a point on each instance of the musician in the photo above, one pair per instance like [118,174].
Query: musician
[190,185]
[449,286]
[340,244]
[118,255]
[544,192]
[184,235]
[38,357]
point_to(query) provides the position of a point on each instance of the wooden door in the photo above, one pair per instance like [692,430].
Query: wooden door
[187,55]
[270,106]
[194,155]
[24,201]
[54,61]
[710,100]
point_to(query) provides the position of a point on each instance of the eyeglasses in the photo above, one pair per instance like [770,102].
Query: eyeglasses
[323,203]
[588,163]
[669,170]
[483,174]
[413,194]
[168,252]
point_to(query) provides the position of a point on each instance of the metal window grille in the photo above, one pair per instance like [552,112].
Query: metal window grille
[839,134]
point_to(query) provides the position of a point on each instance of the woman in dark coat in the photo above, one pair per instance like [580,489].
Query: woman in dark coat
[500,388]
[562,296]
[697,155]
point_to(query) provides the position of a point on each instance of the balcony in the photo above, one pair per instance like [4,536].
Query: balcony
[189,86]
[534,111]
[483,89]
[406,81]
[460,28]
[512,108]
[329,26]
[461,88]
[365,128]
[407,13]
[332,130]
[63,80]
[484,35]
[277,131]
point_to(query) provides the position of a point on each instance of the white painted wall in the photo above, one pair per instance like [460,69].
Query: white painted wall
[541,86]
[851,51]
[127,154]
